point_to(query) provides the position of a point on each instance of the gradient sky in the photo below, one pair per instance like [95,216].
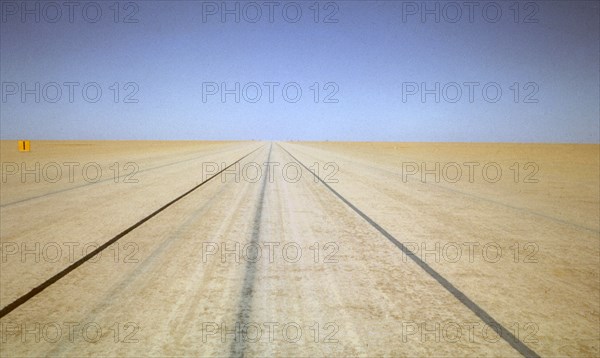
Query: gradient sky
[370,53]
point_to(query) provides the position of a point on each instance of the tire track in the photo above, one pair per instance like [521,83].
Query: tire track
[238,348]
[41,287]
[506,334]
[120,293]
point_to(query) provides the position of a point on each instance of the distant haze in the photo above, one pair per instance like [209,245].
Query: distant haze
[340,70]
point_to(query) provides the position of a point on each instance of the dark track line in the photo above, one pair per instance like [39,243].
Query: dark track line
[505,334]
[26,297]
[238,348]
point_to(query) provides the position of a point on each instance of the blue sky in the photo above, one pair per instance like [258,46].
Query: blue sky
[373,60]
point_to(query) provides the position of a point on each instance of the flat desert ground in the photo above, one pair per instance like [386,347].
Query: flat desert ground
[364,249]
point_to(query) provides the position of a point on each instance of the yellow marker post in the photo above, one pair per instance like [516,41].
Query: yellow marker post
[24,146]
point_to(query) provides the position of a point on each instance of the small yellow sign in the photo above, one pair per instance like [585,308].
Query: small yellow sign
[24,146]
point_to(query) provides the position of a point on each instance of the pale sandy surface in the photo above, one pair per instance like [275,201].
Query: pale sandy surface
[163,295]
